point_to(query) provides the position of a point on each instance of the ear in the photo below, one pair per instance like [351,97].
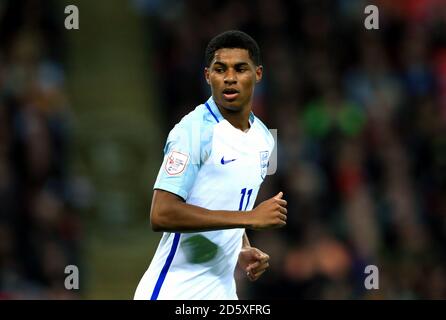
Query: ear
[259,73]
[206,75]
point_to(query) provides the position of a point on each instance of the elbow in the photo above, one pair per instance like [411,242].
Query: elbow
[156,227]
[159,221]
[163,217]
[155,222]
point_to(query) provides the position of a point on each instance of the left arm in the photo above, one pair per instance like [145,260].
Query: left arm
[252,260]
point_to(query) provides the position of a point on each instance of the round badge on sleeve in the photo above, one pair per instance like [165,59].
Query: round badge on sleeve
[176,163]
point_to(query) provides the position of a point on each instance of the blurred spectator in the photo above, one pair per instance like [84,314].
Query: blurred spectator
[39,228]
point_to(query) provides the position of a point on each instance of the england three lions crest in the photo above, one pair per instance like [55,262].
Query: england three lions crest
[264,157]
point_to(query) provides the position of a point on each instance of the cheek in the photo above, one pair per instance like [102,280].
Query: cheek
[215,80]
[248,82]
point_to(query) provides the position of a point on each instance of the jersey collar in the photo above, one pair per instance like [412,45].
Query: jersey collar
[215,112]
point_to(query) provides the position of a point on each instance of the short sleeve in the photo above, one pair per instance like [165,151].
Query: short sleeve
[181,161]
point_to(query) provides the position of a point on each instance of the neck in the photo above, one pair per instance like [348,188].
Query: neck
[238,119]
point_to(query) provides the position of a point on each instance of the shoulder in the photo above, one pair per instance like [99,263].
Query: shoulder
[264,131]
[197,121]
[193,134]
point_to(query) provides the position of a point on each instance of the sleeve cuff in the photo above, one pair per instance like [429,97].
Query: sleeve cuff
[171,188]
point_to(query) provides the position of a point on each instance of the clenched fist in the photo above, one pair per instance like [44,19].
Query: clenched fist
[269,214]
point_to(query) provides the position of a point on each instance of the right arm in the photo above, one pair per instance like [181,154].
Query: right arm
[170,213]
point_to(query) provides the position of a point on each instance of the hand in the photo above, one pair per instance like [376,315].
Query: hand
[269,214]
[253,261]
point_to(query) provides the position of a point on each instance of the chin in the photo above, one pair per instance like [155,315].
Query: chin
[232,106]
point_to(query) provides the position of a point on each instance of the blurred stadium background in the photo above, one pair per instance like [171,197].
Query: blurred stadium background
[361,118]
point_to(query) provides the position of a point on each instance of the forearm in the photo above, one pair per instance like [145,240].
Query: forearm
[173,216]
[170,213]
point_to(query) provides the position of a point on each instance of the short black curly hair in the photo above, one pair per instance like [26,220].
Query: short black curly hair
[233,39]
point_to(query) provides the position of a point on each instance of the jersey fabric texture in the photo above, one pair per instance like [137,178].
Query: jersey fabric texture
[211,164]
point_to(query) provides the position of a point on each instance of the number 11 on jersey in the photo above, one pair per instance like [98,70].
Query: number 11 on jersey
[243,192]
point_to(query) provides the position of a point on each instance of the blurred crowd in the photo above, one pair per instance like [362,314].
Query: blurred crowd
[39,226]
[361,119]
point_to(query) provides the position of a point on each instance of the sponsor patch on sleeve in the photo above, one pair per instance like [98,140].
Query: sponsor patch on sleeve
[176,163]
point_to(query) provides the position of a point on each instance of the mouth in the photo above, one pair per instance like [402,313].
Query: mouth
[230,94]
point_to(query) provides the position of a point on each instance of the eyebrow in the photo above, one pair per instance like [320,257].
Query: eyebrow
[238,64]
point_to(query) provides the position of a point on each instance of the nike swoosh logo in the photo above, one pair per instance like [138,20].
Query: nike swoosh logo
[223,161]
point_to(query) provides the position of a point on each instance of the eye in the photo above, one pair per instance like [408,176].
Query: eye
[219,70]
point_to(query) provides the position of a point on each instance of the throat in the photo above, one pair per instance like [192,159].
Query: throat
[241,125]
[238,119]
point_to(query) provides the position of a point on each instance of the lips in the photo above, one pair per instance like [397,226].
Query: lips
[230,93]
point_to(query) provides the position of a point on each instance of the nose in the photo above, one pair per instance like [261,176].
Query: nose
[230,76]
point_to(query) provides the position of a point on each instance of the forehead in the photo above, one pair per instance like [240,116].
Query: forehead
[232,56]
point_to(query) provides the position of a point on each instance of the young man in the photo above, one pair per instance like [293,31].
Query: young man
[215,161]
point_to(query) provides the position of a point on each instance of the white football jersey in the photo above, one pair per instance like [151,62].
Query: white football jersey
[211,164]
